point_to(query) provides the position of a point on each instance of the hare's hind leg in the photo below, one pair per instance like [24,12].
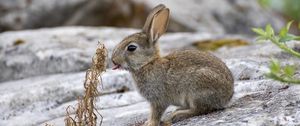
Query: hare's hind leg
[181,114]
[184,105]
[196,107]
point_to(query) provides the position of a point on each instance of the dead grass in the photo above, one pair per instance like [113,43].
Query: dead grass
[214,44]
[85,112]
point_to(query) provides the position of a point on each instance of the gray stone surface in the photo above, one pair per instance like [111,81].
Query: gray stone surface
[67,49]
[255,103]
[29,14]
[49,51]
[42,98]
[46,97]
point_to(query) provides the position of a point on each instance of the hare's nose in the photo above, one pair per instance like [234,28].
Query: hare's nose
[113,62]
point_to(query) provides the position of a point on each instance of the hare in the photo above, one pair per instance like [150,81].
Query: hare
[197,82]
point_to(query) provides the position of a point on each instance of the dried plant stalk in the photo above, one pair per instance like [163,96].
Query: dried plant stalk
[48,124]
[86,114]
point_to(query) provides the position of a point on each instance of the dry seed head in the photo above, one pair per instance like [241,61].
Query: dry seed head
[86,113]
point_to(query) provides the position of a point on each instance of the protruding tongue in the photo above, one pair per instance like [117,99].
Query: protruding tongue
[116,67]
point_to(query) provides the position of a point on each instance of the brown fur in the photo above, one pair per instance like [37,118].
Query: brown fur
[197,82]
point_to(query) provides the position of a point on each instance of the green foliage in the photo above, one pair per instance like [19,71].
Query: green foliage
[284,74]
[279,40]
[278,72]
[290,8]
[264,3]
[289,71]
[274,66]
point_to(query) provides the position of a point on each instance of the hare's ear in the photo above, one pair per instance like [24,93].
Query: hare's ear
[157,23]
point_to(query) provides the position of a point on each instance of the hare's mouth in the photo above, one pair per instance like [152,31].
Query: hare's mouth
[116,67]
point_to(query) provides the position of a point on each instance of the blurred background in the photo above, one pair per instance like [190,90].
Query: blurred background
[226,16]
[47,45]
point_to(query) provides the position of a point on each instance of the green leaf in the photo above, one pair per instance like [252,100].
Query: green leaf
[283,32]
[270,75]
[264,3]
[259,31]
[269,30]
[289,70]
[289,25]
[297,38]
[288,37]
[261,38]
[274,66]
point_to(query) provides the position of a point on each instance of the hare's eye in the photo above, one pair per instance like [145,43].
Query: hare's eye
[131,48]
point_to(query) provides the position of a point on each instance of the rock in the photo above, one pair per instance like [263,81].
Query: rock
[28,14]
[68,49]
[247,69]
[118,116]
[39,95]
[257,102]
[213,16]
[113,103]
[47,86]
[49,51]
[24,14]
[263,102]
